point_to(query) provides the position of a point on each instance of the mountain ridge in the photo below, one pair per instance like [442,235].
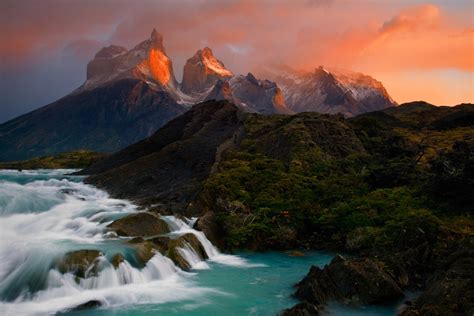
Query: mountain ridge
[137,91]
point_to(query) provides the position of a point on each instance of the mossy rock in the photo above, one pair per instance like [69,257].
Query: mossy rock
[181,242]
[140,224]
[81,263]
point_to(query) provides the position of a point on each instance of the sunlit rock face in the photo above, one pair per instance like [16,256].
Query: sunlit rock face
[147,61]
[330,91]
[202,71]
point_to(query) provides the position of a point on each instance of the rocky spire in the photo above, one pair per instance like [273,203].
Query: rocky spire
[156,40]
[202,71]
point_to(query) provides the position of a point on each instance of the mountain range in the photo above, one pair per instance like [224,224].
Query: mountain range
[129,94]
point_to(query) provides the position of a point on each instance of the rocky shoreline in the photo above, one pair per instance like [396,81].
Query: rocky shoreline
[393,189]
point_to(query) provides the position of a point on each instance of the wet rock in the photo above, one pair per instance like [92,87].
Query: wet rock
[141,224]
[161,244]
[81,263]
[181,242]
[209,226]
[146,249]
[301,309]
[117,260]
[86,305]
[350,281]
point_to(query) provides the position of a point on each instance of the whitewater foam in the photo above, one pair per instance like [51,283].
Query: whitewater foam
[45,215]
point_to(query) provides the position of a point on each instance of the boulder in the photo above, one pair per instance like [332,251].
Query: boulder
[116,260]
[186,239]
[86,305]
[140,224]
[161,244]
[350,281]
[301,309]
[81,263]
[146,249]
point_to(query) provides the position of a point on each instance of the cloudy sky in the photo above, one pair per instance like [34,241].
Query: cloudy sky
[419,50]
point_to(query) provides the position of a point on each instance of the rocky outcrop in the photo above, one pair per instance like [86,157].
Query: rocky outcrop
[301,309]
[350,281]
[202,71]
[220,91]
[259,96]
[141,224]
[450,290]
[81,263]
[147,61]
[167,169]
[208,225]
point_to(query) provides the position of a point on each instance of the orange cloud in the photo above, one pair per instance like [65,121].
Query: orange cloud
[383,38]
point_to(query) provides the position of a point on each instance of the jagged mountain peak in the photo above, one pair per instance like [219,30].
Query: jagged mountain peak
[202,71]
[147,62]
[110,51]
[328,90]
[156,38]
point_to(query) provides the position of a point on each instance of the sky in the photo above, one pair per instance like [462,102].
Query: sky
[419,50]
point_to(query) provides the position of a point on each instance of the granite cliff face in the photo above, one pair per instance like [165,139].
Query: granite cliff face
[202,71]
[147,61]
[331,91]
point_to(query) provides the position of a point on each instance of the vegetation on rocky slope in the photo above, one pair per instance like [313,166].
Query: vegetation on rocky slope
[320,181]
[393,187]
[74,159]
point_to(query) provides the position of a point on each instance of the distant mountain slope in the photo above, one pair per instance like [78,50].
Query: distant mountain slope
[330,91]
[104,119]
[129,94]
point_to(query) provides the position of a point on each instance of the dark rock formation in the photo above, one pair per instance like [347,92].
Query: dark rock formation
[301,309]
[259,96]
[166,169]
[85,306]
[104,119]
[450,290]
[350,281]
[208,225]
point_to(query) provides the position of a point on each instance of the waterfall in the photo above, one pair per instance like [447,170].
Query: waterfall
[45,215]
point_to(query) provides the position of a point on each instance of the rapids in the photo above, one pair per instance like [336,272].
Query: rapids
[46,214]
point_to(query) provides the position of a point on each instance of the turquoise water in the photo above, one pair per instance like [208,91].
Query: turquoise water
[44,214]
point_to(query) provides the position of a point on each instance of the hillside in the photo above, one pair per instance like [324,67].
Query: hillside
[69,160]
[394,187]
